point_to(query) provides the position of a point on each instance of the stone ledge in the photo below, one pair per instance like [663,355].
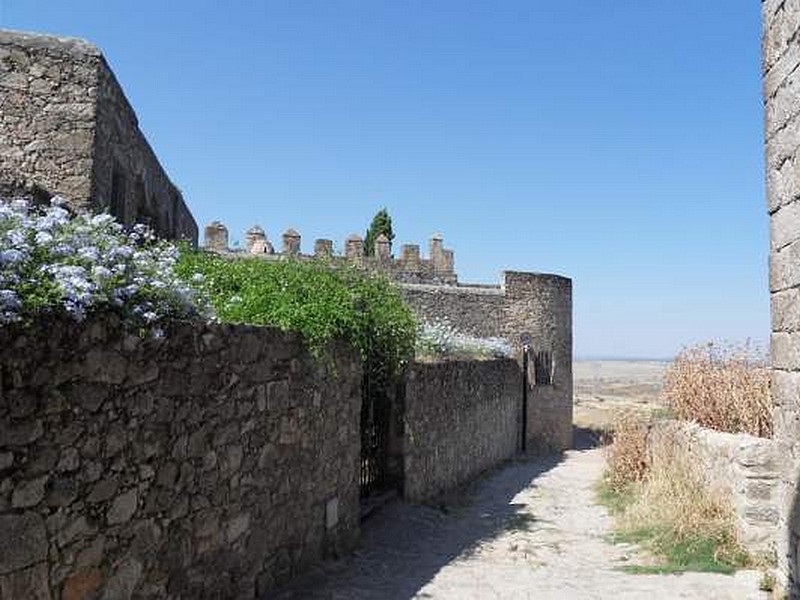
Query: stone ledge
[73,46]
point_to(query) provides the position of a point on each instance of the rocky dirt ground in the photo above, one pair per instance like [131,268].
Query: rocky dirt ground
[530,530]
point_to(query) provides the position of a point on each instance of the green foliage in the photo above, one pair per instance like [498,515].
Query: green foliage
[381,224]
[320,302]
[680,554]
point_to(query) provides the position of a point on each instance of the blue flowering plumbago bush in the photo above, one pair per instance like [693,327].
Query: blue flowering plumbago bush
[53,262]
[440,339]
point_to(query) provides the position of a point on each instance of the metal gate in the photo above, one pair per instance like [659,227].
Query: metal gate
[375,418]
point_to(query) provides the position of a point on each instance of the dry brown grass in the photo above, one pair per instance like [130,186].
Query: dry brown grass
[626,455]
[660,500]
[723,387]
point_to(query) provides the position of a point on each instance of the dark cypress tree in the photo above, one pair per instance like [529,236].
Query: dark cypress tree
[381,224]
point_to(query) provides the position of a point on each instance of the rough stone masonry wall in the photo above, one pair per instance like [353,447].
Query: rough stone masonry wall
[461,418]
[67,129]
[743,468]
[213,463]
[47,114]
[537,304]
[781,71]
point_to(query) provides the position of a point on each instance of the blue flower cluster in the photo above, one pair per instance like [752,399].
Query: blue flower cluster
[441,338]
[52,261]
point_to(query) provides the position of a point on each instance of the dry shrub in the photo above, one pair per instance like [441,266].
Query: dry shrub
[626,456]
[662,501]
[674,503]
[724,387]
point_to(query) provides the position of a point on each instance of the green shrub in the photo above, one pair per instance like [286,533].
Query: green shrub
[321,302]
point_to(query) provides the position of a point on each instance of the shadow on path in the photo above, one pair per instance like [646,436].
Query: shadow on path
[403,546]
[585,438]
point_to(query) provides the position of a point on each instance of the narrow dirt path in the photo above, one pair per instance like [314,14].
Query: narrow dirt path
[528,531]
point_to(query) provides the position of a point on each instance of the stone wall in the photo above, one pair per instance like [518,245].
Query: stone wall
[215,462]
[743,468]
[533,303]
[476,311]
[461,418]
[67,129]
[781,69]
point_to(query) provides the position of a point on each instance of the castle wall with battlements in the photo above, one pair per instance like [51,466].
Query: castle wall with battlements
[536,304]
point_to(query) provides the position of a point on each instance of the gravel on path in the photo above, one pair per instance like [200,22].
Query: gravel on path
[530,530]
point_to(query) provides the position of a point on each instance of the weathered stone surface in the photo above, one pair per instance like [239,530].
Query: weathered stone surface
[6,460]
[28,584]
[28,493]
[461,418]
[123,507]
[70,460]
[30,541]
[537,304]
[123,582]
[99,159]
[180,490]
[103,490]
[81,585]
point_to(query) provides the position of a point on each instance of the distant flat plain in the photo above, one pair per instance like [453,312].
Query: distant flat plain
[603,389]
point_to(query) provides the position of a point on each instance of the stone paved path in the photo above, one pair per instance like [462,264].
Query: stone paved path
[528,531]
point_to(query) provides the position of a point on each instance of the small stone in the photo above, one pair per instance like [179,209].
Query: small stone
[209,461]
[22,434]
[123,583]
[103,366]
[6,460]
[28,493]
[115,441]
[123,507]
[78,528]
[70,461]
[92,471]
[237,526]
[103,490]
[167,474]
[62,492]
[81,585]
[93,555]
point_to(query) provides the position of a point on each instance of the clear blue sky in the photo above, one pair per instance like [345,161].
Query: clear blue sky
[617,142]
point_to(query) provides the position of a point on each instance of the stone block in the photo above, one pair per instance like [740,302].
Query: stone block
[785,388]
[780,27]
[30,541]
[785,351]
[785,310]
[785,225]
[785,104]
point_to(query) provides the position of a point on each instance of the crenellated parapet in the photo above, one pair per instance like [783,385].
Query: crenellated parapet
[408,267]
